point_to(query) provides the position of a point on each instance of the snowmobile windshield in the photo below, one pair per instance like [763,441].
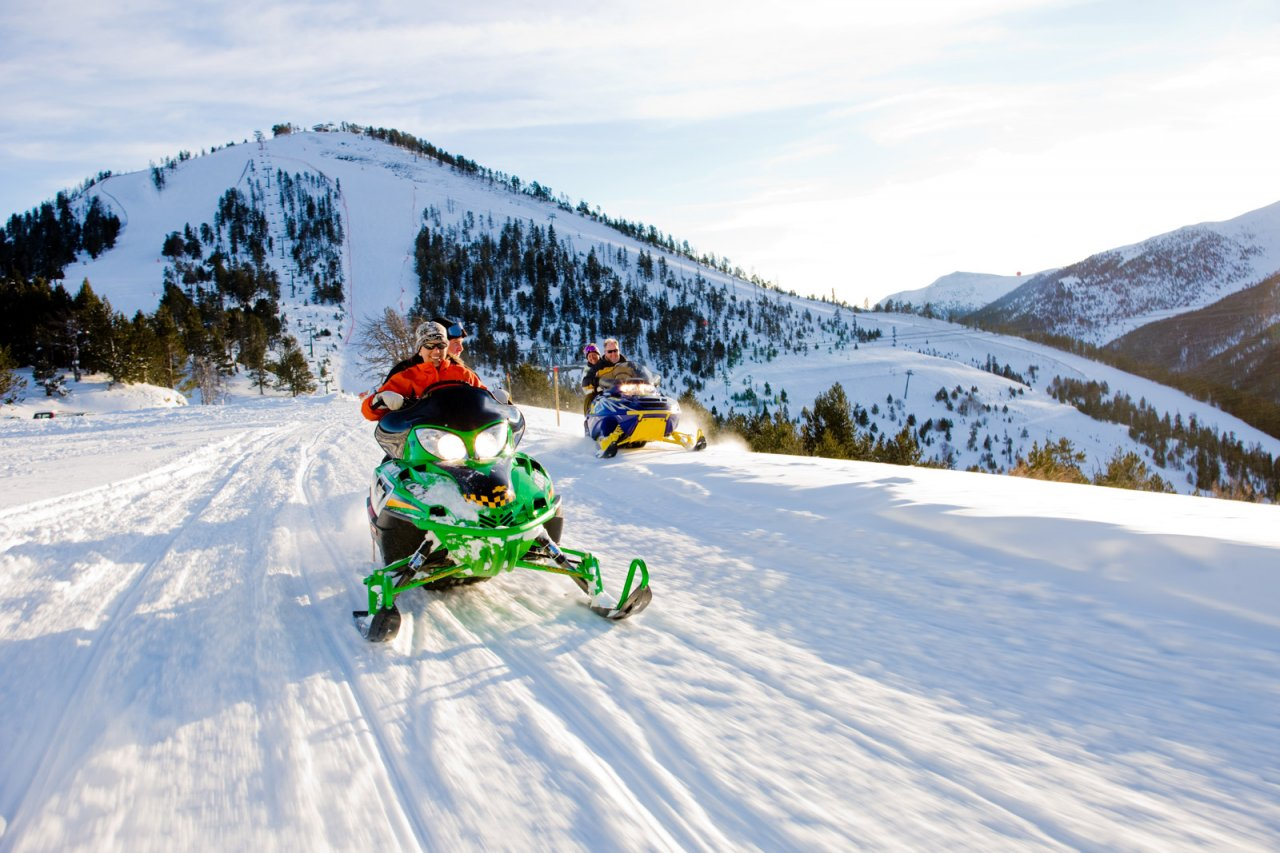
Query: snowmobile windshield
[629,377]
[458,407]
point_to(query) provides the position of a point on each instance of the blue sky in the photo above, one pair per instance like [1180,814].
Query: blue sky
[865,147]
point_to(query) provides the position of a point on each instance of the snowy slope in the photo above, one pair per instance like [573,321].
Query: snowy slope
[940,355]
[838,655]
[384,193]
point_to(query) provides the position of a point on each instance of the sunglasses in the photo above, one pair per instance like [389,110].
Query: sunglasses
[610,351]
[430,347]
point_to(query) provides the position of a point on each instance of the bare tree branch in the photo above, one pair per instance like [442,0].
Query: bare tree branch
[383,341]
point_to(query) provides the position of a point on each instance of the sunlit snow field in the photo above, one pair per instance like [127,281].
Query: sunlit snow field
[838,655]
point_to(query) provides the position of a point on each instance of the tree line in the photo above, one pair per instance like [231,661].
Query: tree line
[832,427]
[44,241]
[1251,406]
[835,428]
[1217,463]
[219,314]
[183,344]
[537,298]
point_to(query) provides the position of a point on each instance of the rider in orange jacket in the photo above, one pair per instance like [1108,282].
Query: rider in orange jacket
[412,383]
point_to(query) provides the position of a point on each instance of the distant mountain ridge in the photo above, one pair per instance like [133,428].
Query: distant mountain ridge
[1108,295]
[954,295]
[1228,352]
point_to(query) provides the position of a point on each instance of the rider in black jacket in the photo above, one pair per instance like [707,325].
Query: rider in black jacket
[612,356]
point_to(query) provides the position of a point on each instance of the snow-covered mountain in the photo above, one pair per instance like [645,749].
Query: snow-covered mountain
[954,295]
[974,399]
[1111,293]
[1230,341]
[386,194]
[839,655]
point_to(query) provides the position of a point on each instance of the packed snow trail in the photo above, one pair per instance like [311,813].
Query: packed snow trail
[838,655]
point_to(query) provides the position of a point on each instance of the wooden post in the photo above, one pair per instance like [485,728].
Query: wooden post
[555,373]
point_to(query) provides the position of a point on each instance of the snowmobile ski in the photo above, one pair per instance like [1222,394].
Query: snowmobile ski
[381,627]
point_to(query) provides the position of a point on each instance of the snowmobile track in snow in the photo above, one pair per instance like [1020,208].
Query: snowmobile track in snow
[322,626]
[74,714]
[620,750]
[618,776]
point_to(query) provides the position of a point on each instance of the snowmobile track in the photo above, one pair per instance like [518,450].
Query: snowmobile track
[81,707]
[618,751]
[360,704]
[601,759]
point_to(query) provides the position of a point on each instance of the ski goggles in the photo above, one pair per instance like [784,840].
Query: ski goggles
[456,331]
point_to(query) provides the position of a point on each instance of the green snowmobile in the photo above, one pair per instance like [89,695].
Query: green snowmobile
[455,502]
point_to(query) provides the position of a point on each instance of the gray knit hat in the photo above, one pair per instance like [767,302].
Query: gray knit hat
[430,333]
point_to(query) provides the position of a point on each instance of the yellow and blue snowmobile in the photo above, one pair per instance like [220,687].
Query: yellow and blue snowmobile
[630,411]
[455,502]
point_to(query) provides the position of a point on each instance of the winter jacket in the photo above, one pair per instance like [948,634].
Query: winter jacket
[412,382]
[402,366]
[589,379]
[412,360]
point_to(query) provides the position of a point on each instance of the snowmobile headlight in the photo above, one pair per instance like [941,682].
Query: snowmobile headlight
[492,441]
[445,446]
[638,388]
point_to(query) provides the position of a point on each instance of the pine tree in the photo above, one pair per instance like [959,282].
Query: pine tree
[253,353]
[1058,462]
[47,375]
[136,355]
[291,370]
[774,433]
[95,328]
[100,228]
[12,385]
[902,449]
[827,429]
[1128,471]
[530,386]
[170,351]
